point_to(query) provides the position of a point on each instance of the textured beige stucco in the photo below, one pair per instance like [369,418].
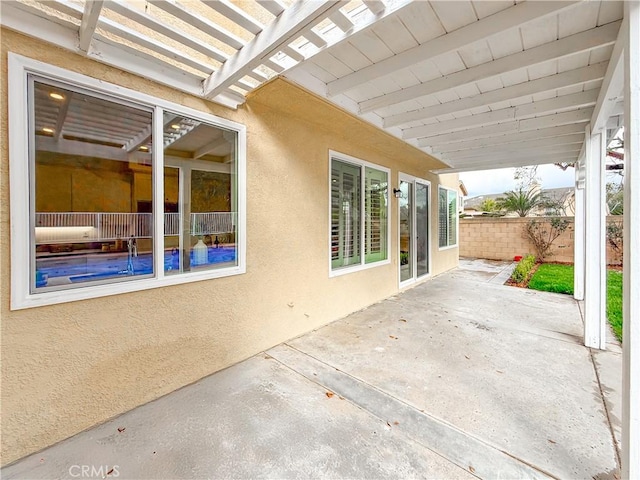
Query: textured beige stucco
[67,367]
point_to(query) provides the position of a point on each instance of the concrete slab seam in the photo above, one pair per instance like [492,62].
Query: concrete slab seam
[449,442]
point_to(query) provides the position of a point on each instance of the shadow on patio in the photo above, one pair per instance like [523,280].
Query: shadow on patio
[460,377]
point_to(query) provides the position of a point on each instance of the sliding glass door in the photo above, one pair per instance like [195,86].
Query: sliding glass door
[414,230]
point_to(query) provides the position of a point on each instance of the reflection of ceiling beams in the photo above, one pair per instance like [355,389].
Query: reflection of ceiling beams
[279,33]
[543,107]
[209,147]
[145,135]
[62,115]
[579,42]
[83,149]
[474,32]
[89,23]
[513,92]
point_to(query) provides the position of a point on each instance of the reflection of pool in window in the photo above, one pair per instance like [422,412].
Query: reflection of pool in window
[92,267]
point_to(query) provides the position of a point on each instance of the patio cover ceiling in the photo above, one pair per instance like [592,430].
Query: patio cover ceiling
[477,84]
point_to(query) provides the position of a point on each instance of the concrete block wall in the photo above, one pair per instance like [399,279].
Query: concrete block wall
[504,238]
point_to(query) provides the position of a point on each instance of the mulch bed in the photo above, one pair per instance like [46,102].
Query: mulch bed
[524,284]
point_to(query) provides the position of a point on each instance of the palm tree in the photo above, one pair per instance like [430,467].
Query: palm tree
[520,201]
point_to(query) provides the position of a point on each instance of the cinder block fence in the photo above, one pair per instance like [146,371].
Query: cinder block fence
[504,238]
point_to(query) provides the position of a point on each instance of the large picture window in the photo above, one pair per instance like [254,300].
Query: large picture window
[359,214]
[447,217]
[121,191]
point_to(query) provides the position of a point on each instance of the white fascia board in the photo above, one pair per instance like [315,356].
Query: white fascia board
[482,29]
[577,43]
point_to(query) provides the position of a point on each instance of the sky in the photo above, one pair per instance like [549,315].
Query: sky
[501,180]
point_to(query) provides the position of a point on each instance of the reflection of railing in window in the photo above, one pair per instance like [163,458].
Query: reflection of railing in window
[61,227]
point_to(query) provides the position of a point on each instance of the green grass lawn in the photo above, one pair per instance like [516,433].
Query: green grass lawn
[551,277]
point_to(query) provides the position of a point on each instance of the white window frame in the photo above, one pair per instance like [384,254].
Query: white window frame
[21,185]
[362,164]
[457,217]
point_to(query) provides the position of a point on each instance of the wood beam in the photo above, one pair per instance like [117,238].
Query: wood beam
[543,107]
[542,134]
[375,6]
[493,24]
[513,92]
[167,30]
[236,15]
[275,7]
[199,22]
[92,9]
[280,32]
[579,42]
[343,22]
[517,153]
[613,84]
[491,165]
[532,145]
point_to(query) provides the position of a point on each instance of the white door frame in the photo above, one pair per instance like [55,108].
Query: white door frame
[413,180]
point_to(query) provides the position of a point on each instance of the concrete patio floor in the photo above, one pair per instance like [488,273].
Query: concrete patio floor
[460,377]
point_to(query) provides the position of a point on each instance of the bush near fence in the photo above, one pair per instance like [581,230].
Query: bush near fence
[503,238]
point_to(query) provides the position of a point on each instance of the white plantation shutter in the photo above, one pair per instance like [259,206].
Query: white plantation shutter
[345,214]
[375,215]
[447,217]
[442,217]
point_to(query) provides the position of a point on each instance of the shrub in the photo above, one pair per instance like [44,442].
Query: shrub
[523,269]
[543,233]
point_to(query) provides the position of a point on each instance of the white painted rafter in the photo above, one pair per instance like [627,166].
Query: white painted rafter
[542,134]
[537,144]
[516,126]
[235,14]
[288,26]
[275,7]
[342,21]
[513,92]
[490,164]
[92,9]
[482,29]
[376,6]
[613,83]
[165,29]
[573,44]
[543,107]
[198,21]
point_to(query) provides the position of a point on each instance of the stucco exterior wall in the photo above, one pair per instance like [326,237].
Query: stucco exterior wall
[504,238]
[67,367]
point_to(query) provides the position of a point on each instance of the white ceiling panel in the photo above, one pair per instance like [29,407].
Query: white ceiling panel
[539,32]
[578,19]
[484,8]
[449,63]
[476,53]
[394,35]
[454,15]
[421,21]
[506,43]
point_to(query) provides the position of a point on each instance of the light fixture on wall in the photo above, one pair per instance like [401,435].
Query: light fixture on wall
[397,192]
